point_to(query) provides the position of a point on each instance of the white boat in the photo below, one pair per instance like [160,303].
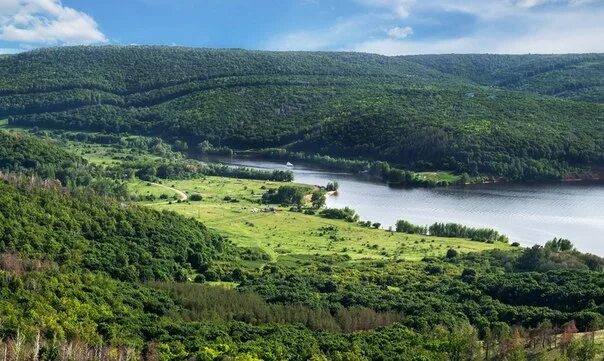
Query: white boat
[288,164]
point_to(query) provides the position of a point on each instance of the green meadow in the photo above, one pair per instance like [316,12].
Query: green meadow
[232,207]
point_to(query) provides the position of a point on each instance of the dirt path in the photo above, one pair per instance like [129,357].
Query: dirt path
[183,196]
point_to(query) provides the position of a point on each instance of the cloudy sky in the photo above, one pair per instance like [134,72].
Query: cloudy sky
[389,27]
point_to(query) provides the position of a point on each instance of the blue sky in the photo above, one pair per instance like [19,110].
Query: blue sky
[389,27]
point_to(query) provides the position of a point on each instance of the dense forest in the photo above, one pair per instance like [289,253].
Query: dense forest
[88,276]
[573,76]
[73,271]
[418,113]
[28,155]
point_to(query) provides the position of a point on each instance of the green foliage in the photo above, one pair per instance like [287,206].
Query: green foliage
[187,169]
[346,213]
[378,169]
[87,306]
[196,197]
[407,227]
[318,199]
[574,76]
[29,155]
[332,186]
[452,230]
[213,303]
[461,231]
[71,266]
[286,195]
[368,107]
[581,349]
[538,258]
[128,242]
[559,245]
[207,148]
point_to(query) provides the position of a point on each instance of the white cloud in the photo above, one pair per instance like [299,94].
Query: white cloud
[497,9]
[530,3]
[46,22]
[533,3]
[400,33]
[330,38]
[497,26]
[400,8]
[394,47]
[578,32]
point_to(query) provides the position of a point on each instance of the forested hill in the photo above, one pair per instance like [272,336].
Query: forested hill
[41,220]
[408,111]
[132,69]
[572,76]
[27,155]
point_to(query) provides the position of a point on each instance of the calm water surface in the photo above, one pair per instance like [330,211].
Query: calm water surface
[528,214]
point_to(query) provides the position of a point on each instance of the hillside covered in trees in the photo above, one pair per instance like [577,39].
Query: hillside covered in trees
[88,275]
[478,114]
[83,276]
[572,76]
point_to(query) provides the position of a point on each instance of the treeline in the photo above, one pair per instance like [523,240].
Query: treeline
[461,231]
[452,230]
[210,303]
[378,169]
[187,169]
[127,242]
[549,257]
[48,160]
[287,195]
[243,342]
[388,109]
[346,213]
[21,153]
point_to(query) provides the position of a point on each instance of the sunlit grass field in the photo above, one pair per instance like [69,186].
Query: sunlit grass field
[440,176]
[231,206]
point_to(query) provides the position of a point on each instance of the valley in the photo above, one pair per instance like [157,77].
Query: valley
[424,216]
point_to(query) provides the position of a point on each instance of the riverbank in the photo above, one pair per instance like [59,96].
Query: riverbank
[230,206]
[529,213]
[382,171]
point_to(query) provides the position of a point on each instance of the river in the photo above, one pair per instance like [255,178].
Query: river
[527,213]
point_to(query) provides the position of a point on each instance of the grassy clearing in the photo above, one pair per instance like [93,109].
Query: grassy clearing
[3,123]
[100,154]
[143,188]
[105,155]
[439,176]
[231,207]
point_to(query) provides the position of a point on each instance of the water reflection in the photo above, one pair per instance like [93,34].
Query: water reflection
[528,214]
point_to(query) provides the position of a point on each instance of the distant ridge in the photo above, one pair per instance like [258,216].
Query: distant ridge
[514,116]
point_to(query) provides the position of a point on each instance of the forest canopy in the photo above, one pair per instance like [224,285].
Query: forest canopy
[414,112]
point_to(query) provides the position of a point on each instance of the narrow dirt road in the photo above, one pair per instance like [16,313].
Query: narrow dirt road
[183,196]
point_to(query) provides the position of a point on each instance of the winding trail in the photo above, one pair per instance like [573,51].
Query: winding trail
[183,196]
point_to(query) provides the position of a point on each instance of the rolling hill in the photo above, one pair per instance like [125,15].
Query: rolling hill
[572,76]
[473,113]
